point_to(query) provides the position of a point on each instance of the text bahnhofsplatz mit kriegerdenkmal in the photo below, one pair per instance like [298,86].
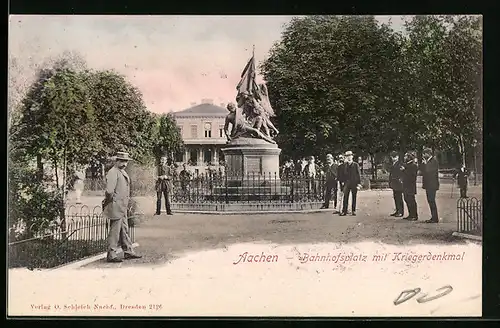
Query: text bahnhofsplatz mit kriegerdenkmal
[343,257]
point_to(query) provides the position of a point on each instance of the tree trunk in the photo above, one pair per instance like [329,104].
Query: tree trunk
[374,167]
[39,167]
[461,149]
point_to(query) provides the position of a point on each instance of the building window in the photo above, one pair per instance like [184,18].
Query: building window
[221,131]
[180,130]
[194,131]
[208,130]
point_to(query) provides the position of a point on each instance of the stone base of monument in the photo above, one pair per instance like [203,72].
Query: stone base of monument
[250,156]
[250,207]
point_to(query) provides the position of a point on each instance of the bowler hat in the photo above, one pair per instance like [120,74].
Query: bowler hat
[348,153]
[122,156]
[394,154]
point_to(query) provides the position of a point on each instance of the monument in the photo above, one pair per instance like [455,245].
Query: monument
[251,153]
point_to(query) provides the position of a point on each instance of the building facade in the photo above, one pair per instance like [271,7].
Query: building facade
[202,130]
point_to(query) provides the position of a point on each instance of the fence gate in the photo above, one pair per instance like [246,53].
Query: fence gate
[470,216]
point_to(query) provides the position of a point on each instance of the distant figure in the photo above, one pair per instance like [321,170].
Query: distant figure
[430,182]
[330,170]
[115,207]
[409,170]
[462,176]
[78,186]
[185,177]
[396,184]
[310,173]
[352,183]
[163,185]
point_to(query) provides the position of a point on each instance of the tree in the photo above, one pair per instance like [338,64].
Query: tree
[123,123]
[462,97]
[166,135]
[329,80]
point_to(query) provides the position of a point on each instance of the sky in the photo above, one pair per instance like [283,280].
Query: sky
[174,60]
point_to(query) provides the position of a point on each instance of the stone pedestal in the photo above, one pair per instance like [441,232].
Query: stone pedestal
[251,157]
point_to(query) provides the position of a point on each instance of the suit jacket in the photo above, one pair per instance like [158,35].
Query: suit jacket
[462,177]
[352,174]
[117,194]
[409,175]
[396,177]
[430,177]
[331,172]
[341,173]
[164,184]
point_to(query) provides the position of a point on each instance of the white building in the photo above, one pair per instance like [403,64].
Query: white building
[202,130]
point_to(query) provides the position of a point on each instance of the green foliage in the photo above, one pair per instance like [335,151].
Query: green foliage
[340,83]
[123,120]
[70,116]
[324,82]
[166,135]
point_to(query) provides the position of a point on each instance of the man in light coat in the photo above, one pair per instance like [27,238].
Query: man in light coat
[115,207]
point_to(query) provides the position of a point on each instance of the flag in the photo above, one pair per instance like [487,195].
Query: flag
[247,82]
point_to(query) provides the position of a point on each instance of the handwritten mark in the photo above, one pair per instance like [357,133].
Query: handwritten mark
[410,293]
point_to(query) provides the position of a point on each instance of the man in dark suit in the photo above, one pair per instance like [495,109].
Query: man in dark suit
[341,179]
[396,184]
[164,185]
[330,170]
[430,182]
[462,177]
[409,177]
[352,181]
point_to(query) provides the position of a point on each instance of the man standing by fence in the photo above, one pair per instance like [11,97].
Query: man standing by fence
[430,182]
[164,185]
[115,207]
[330,182]
[396,184]
[409,176]
[462,177]
[352,182]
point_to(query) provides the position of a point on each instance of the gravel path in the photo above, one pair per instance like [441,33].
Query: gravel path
[164,238]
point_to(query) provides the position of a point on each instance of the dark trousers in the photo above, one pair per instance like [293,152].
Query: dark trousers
[398,201]
[431,199]
[166,195]
[411,203]
[349,189]
[463,191]
[329,190]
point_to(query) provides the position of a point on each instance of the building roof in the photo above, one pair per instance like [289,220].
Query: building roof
[203,110]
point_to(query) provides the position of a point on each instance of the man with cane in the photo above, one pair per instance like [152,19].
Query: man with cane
[330,182]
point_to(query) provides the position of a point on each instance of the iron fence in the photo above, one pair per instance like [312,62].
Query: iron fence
[470,216]
[82,233]
[228,188]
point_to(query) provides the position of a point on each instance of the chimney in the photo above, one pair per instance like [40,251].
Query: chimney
[193,104]
[207,101]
